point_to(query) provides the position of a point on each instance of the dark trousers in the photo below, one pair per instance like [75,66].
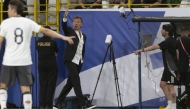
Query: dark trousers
[73,81]
[48,78]
[185,79]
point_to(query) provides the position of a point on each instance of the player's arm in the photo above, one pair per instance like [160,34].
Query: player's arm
[39,29]
[1,41]
[53,34]
[150,48]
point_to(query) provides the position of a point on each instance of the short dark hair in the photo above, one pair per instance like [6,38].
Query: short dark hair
[169,28]
[17,5]
[78,17]
[184,29]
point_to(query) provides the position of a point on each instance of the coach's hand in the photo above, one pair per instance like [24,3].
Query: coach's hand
[66,14]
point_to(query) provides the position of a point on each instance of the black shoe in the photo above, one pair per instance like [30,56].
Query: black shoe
[88,107]
[57,107]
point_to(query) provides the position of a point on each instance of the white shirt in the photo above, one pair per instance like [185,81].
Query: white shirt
[78,56]
[18,32]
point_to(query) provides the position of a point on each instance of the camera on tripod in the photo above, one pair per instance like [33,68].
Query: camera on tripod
[108,39]
[112,57]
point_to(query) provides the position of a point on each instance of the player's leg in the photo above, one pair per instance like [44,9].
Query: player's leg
[27,97]
[3,95]
[25,81]
[164,87]
[173,93]
[7,78]
[170,87]
[171,79]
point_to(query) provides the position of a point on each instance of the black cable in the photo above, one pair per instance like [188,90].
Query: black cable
[129,26]
[147,63]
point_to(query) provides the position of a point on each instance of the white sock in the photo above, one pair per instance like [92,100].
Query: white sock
[173,105]
[3,98]
[170,102]
[27,97]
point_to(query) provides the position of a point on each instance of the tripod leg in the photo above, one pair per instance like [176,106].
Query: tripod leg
[117,85]
[112,57]
[116,77]
[100,73]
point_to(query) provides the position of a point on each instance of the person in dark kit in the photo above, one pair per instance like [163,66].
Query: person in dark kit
[47,67]
[183,66]
[169,54]
[73,59]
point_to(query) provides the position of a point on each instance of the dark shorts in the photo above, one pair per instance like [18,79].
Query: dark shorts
[168,77]
[10,73]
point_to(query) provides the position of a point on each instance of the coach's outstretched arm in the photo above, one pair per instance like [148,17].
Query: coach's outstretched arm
[53,34]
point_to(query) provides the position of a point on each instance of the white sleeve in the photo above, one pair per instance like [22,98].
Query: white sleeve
[64,19]
[2,29]
[35,27]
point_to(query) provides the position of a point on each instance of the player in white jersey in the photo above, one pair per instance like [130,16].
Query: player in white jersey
[17,57]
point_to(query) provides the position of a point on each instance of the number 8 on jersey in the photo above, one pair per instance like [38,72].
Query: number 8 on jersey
[18,35]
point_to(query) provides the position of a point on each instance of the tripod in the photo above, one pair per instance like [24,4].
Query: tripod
[115,75]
